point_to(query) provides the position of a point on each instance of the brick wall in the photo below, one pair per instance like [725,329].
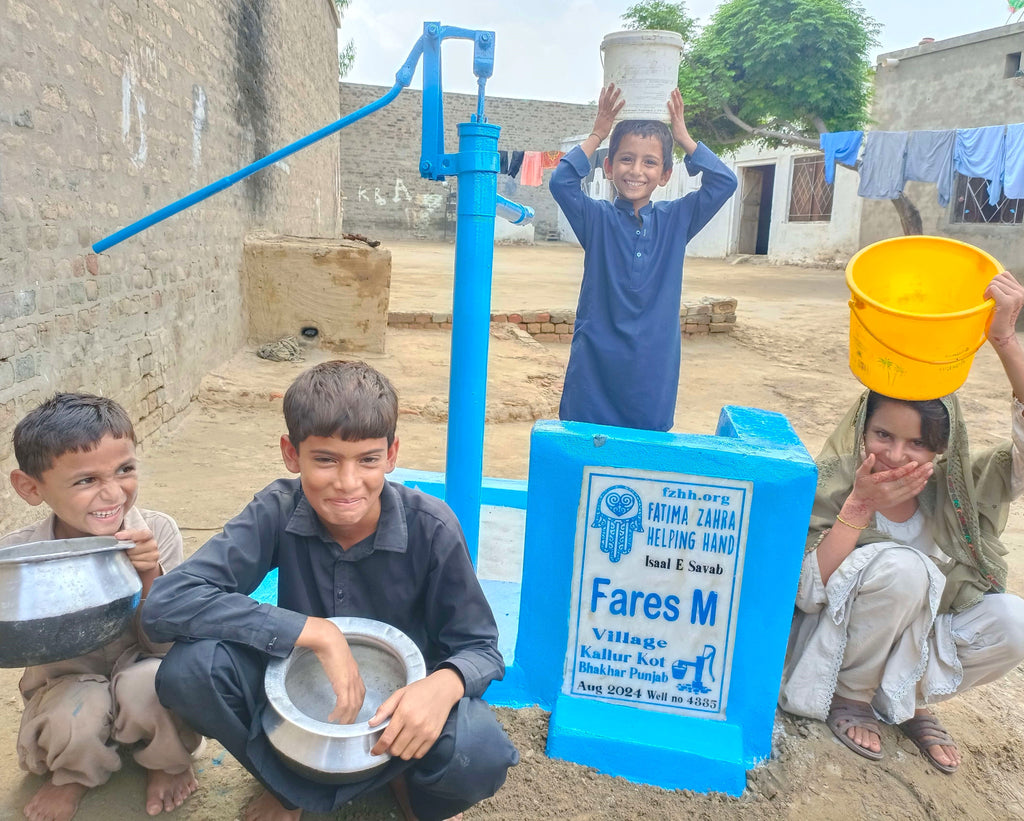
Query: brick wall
[384,195]
[708,315]
[110,109]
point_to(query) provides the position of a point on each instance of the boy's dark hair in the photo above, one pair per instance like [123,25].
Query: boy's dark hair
[350,400]
[934,418]
[64,423]
[643,128]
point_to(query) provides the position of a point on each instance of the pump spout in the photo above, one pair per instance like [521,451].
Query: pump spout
[514,212]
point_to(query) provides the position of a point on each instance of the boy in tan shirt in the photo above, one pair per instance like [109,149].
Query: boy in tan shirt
[76,453]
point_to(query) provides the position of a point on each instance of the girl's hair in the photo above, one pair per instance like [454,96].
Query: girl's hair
[934,418]
[67,422]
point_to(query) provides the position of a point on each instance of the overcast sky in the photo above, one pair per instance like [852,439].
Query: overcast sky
[550,49]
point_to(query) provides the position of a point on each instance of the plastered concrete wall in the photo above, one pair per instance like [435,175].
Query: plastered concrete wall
[788,242]
[336,288]
[110,109]
[384,195]
[954,83]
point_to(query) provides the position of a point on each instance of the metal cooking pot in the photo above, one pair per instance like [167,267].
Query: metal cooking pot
[300,697]
[62,598]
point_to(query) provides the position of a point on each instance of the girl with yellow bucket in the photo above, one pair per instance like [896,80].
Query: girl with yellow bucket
[901,601]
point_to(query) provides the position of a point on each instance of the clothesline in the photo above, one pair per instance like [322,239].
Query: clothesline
[529,166]
[892,158]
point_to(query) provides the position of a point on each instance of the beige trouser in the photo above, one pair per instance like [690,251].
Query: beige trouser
[78,711]
[890,619]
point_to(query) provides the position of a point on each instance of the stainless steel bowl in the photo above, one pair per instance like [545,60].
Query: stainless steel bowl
[299,699]
[65,597]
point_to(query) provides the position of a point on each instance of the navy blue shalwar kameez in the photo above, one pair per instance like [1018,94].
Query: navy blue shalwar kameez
[414,573]
[624,361]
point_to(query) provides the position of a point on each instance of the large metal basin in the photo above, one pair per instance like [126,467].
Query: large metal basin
[65,597]
[299,699]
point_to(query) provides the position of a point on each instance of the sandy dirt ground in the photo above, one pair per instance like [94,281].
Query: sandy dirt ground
[788,354]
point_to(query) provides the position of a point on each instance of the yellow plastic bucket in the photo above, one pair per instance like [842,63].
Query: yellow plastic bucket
[918,314]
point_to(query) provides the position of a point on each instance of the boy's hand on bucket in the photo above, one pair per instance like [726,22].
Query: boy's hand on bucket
[324,638]
[145,555]
[1009,297]
[886,488]
[676,110]
[609,104]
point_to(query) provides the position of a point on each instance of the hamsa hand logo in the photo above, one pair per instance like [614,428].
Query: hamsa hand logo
[619,514]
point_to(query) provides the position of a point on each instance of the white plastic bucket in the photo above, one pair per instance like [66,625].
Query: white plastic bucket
[645,65]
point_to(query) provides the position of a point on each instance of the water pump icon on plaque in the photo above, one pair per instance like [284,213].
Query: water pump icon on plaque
[655,589]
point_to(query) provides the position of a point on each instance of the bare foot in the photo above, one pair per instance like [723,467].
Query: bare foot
[400,791]
[53,803]
[166,792]
[267,808]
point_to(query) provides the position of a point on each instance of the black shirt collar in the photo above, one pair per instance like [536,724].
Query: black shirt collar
[392,531]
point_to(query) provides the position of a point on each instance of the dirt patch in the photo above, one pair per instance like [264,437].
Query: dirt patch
[788,354]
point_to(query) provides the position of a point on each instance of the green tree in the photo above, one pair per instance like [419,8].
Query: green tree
[780,70]
[662,16]
[346,53]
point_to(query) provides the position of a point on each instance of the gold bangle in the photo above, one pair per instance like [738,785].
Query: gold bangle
[843,521]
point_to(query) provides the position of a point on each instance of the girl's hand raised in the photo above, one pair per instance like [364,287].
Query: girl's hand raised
[1009,297]
[873,492]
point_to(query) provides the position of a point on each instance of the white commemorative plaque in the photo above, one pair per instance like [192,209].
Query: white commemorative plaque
[656,585]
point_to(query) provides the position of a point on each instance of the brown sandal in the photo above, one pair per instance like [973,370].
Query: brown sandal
[926,732]
[846,713]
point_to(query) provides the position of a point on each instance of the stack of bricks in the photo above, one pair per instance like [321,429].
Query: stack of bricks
[544,326]
[709,315]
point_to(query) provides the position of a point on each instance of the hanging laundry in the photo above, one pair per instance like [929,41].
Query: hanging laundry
[596,163]
[981,152]
[839,146]
[514,161]
[1013,175]
[930,159]
[549,159]
[881,169]
[508,186]
[532,173]
[503,162]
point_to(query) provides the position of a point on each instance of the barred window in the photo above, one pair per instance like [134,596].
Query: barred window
[810,197]
[970,204]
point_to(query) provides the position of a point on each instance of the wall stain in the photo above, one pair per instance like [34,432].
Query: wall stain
[252,109]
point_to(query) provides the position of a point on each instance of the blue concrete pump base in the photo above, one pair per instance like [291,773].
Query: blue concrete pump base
[671,752]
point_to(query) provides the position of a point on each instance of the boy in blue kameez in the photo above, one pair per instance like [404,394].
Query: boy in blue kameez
[624,362]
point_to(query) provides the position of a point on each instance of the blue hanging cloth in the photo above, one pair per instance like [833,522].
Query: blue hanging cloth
[1013,175]
[881,170]
[980,152]
[839,146]
[930,159]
